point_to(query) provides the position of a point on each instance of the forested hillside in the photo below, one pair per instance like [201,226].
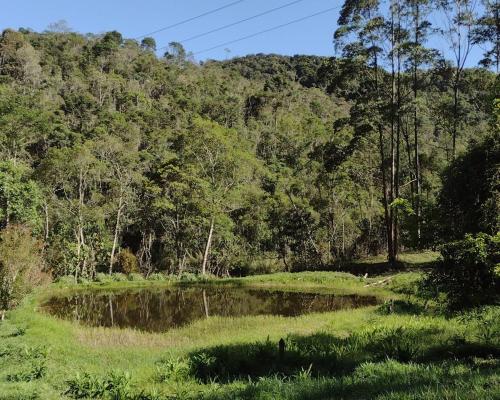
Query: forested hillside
[261,227]
[115,159]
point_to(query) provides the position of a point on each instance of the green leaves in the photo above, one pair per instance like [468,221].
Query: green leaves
[20,197]
[467,271]
[402,205]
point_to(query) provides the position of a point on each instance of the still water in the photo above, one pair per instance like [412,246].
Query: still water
[162,309]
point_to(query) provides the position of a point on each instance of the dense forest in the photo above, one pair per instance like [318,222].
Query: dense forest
[115,159]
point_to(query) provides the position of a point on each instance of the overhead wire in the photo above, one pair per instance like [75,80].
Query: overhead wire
[274,28]
[241,21]
[190,19]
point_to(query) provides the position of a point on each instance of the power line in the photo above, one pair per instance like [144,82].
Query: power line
[240,21]
[267,30]
[190,19]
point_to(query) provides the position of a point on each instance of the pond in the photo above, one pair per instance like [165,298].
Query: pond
[157,310]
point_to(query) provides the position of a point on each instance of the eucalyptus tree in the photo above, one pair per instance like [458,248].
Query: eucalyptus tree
[460,17]
[418,56]
[366,36]
[487,34]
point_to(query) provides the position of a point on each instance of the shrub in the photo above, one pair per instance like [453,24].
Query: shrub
[484,323]
[101,277]
[21,264]
[85,386]
[173,369]
[36,370]
[469,201]
[66,279]
[119,277]
[116,385]
[36,356]
[190,277]
[127,262]
[135,277]
[466,273]
[158,276]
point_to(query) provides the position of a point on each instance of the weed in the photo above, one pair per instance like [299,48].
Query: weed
[119,277]
[158,276]
[115,386]
[36,370]
[135,277]
[172,369]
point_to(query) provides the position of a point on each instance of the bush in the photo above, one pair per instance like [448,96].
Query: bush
[469,201]
[127,262]
[116,385]
[119,277]
[135,277]
[173,369]
[66,280]
[21,265]
[101,277]
[158,276]
[36,356]
[466,273]
[36,370]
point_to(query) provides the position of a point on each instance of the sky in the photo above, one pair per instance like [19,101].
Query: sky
[134,18]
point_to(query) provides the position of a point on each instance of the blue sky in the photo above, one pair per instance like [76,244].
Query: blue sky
[134,18]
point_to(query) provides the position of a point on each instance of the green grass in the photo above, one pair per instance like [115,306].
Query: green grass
[377,265]
[411,353]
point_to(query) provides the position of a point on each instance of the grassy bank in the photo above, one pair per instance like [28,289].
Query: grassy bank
[365,353]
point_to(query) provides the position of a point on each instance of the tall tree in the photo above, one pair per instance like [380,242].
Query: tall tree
[363,35]
[223,167]
[487,34]
[121,165]
[459,23]
[20,196]
[418,56]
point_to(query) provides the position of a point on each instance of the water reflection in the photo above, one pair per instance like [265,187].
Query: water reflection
[160,310]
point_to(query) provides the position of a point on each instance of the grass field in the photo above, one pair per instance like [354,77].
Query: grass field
[409,352]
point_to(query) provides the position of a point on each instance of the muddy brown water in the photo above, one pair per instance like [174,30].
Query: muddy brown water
[158,310]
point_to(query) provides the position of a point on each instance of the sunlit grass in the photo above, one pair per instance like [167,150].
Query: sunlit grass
[431,371]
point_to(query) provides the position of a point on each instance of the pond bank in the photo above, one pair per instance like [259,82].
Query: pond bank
[352,337]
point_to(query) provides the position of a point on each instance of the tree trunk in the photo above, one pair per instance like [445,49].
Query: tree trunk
[207,248]
[7,213]
[205,303]
[46,212]
[144,254]
[80,233]
[457,79]
[393,114]
[415,128]
[398,146]
[115,238]
[388,225]
[455,115]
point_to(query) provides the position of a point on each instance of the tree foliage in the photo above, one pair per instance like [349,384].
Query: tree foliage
[264,159]
[469,200]
[468,271]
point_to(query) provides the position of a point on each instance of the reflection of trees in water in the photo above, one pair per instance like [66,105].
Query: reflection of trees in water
[159,310]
